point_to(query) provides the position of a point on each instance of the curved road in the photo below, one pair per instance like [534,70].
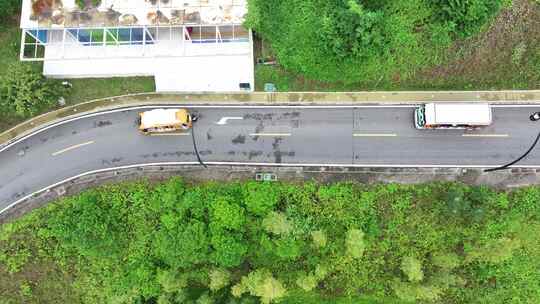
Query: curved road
[336,136]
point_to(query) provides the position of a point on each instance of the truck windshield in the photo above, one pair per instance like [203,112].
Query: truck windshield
[420,119]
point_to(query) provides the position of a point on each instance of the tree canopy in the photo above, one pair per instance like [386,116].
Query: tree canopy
[276,242]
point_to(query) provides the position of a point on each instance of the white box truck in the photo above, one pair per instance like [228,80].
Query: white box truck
[452,116]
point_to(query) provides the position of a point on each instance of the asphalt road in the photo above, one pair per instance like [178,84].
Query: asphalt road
[348,136]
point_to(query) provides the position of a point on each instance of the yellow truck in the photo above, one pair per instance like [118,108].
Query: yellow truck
[165,121]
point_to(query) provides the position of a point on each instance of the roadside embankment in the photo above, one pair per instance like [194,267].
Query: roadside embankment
[193,173]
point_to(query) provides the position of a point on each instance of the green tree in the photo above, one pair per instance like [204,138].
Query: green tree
[219,278]
[205,298]
[262,284]
[494,251]
[227,215]
[355,243]
[288,248]
[307,282]
[412,268]
[447,261]
[277,223]
[171,281]
[319,238]
[228,249]
[412,292]
[183,245]
[90,226]
[260,198]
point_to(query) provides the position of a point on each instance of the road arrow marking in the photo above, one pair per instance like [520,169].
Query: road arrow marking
[223,120]
[72,147]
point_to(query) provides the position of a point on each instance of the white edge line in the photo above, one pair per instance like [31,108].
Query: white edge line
[515,105]
[250,164]
[270,134]
[89,173]
[485,135]
[374,135]
[189,107]
[231,107]
[169,134]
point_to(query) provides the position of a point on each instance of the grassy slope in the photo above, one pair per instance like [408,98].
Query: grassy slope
[504,56]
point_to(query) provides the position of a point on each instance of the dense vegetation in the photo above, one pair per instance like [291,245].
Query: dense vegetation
[266,242]
[24,92]
[398,45]
[352,40]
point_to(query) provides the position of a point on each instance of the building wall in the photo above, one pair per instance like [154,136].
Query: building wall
[172,74]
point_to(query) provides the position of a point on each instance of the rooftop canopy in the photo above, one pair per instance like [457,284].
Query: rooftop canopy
[114,13]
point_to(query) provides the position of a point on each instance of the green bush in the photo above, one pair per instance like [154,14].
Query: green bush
[25,92]
[468,16]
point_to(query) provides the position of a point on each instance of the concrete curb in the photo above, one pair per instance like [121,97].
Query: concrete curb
[261,98]
[193,173]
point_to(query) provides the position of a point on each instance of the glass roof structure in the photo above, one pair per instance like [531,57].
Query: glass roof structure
[62,29]
[187,45]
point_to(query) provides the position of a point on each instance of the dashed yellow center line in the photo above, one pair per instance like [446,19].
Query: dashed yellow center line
[487,135]
[375,135]
[72,148]
[271,134]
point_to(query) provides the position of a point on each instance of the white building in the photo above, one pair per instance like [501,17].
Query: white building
[187,45]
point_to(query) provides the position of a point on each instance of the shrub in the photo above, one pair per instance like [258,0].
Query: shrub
[412,268]
[351,41]
[277,223]
[25,92]
[468,15]
[355,243]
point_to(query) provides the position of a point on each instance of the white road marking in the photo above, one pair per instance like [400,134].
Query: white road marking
[271,134]
[375,135]
[223,120]
[72,148]
[515,106]
[487,135]
[249,164]
[169,134]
